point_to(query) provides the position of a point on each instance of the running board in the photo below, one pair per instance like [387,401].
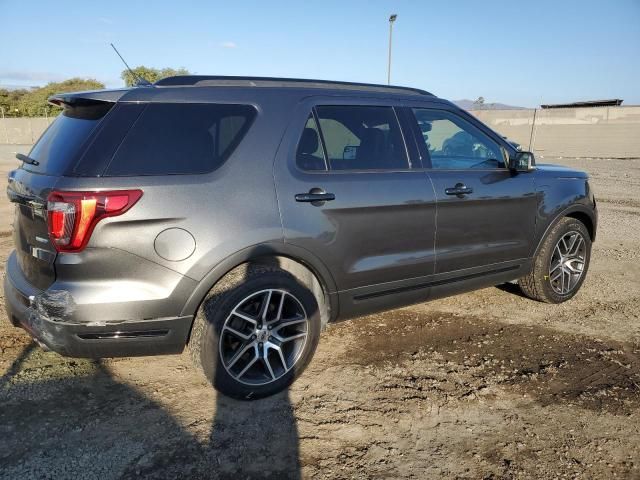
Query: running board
[435,283]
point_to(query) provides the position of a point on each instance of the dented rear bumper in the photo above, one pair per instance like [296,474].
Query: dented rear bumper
[52,317]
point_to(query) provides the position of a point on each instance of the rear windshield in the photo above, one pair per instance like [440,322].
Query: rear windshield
[58,148]
[181,138]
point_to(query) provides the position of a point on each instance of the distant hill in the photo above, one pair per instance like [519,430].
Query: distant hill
[469,105]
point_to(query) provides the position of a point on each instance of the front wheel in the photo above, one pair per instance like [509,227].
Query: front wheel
[255,332]
[561,264]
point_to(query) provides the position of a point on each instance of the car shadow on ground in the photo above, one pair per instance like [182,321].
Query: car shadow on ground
[511,287]
[66,418]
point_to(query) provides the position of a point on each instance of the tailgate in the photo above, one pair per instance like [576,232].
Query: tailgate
[28,191]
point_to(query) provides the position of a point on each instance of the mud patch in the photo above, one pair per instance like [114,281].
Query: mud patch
[480,354]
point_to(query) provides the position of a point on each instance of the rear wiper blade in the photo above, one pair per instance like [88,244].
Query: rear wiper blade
[27,159]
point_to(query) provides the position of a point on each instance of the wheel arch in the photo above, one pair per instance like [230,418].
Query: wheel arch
[300,263]
[586,220]
[578,212]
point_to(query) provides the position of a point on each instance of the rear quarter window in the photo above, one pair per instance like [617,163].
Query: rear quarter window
[180,138]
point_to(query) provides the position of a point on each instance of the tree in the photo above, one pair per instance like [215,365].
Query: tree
[150,74]
[9,100]
[33,103]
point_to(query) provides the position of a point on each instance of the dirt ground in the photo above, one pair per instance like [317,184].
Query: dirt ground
[484,385]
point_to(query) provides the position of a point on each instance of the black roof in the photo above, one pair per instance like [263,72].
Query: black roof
[274,82]
[147,92]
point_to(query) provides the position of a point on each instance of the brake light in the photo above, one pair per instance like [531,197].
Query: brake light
[73,215]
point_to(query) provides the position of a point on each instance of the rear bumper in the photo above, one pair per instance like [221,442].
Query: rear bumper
[39,313]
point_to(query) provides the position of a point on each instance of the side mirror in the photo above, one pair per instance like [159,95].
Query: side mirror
[522,162]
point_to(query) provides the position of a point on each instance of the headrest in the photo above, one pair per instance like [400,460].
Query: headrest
[308,141]
[371,144]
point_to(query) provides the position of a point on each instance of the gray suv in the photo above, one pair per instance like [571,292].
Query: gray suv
[238,216]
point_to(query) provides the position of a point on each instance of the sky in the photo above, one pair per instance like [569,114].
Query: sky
[520,53]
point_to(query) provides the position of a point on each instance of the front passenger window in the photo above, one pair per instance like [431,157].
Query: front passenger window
[454,143]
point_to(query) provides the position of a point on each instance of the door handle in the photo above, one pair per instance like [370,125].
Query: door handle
[315,195]
[460,189]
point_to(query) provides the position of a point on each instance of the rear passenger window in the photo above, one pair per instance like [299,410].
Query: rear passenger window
[181,138]
[362,138]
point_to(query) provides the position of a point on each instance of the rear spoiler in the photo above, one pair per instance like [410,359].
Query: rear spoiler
[87,98]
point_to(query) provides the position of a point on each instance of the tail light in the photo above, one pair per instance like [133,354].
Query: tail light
[73,215]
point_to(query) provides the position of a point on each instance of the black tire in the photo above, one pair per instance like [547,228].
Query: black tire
[240,283]
[537,285]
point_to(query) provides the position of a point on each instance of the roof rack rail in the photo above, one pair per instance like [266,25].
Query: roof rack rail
[226,81]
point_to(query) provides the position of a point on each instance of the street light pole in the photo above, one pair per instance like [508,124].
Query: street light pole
[392,19]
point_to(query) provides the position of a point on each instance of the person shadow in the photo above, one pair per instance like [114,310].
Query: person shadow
[256,439]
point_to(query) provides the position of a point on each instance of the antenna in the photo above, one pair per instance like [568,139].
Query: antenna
[141,81]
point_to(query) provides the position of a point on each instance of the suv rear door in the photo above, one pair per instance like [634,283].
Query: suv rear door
[486,213]
[348,193]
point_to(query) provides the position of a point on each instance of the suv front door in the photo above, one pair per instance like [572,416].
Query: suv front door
[372,222]
[486,213]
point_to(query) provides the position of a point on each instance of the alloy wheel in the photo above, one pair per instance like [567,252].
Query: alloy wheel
[567,262]
[263,337]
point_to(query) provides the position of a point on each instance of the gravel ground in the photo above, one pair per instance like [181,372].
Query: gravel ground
[483,385]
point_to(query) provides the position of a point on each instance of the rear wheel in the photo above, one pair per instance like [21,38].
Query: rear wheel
[561,263]
[255,332]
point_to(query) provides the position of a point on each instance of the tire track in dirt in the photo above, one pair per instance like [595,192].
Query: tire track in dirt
[475,355]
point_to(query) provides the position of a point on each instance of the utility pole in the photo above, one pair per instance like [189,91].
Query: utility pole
[532,137]
[4,124]
[392,19]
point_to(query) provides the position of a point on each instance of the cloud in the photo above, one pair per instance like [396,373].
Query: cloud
[228,44]
[30,76]
[105,20]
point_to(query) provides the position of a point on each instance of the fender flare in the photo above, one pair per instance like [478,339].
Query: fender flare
[272,250]
[575,208]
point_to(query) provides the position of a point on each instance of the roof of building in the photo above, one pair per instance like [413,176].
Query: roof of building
[589,103]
